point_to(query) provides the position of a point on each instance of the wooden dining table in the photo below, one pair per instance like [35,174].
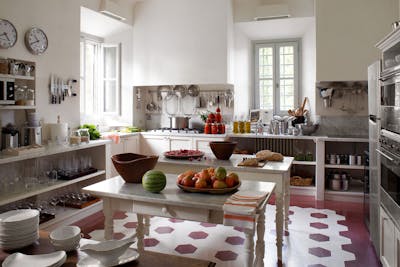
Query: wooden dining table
[172,202]
[146,258]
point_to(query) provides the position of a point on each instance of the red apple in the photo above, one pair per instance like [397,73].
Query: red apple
[219,184]
[200,183]
[188,181]
[232,179]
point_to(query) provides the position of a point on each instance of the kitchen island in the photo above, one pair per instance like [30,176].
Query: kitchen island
[174,203]
[276,172]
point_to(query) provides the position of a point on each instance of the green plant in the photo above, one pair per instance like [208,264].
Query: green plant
[204,115]
[93,132]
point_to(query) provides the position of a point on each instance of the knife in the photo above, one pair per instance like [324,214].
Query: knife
[59,91]
[52,88]
[62,90]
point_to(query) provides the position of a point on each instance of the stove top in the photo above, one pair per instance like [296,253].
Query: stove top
[176,130]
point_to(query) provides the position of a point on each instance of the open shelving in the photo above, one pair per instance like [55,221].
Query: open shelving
[348,167]
[8,198]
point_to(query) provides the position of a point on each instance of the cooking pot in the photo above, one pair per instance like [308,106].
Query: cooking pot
[177,122]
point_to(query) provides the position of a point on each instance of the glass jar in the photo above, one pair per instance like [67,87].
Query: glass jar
[30,97]
[20,95]
[75,138]
[85,136]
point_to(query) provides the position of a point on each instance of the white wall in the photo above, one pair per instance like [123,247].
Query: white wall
[308,67]
[243,74]
[347,32]
[181,42]
[60,21]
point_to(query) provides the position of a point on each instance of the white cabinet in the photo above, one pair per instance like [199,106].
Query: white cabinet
[154,144]
[127,144]
[158,144]
[180,142]
[202,144]
[389,241]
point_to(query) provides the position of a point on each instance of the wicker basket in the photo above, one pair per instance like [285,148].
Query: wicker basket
[299,181]
[132,166]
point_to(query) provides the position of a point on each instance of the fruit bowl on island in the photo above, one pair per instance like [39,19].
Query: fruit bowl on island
[210,181]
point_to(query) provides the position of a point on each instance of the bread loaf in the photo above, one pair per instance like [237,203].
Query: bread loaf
[269,155]
[250,162]
[264,154]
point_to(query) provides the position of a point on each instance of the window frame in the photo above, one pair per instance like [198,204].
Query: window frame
[99,78]
[275,44]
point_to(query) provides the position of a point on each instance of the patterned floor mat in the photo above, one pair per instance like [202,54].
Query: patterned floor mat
[313,238]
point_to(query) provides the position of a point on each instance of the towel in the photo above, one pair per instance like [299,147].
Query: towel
[114,137]
[240,209]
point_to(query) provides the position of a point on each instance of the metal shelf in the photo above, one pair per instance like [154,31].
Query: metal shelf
[15,107]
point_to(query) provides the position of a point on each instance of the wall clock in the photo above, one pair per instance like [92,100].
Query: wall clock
[8,34]
[36,41]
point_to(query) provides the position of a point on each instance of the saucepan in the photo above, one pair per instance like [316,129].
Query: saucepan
[179,122]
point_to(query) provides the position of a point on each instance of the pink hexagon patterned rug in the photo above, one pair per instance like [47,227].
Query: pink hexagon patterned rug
[314,238]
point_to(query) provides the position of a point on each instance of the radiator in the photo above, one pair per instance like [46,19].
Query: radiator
[283,146]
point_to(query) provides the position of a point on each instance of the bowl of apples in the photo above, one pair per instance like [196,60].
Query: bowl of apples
[210,181]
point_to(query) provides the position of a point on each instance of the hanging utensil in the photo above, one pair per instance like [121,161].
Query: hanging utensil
[180,90]
[193,90]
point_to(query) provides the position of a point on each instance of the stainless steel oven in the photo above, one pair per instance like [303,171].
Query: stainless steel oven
[390,101]
[389,151]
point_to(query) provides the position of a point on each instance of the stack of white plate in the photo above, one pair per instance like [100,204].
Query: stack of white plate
[18,228]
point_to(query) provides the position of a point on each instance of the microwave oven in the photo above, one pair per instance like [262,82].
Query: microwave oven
[7,94]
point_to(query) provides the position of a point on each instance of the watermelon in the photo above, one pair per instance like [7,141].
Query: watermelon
[154,181]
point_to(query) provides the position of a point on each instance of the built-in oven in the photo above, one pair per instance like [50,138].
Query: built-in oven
[390,101]
[389,151]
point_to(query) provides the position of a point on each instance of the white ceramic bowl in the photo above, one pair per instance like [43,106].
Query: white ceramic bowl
[107,251]
[66,238]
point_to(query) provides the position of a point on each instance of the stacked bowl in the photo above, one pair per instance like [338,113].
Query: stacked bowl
[66,238]
[18,228]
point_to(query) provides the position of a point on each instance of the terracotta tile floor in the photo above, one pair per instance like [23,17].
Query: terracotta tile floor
[321,233]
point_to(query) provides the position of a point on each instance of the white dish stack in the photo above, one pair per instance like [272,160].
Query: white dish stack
[18,228]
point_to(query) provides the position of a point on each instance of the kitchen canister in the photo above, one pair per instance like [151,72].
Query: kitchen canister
[352,160]
[58,132]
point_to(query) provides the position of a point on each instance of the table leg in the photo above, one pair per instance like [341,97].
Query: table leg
[279,223]
[260,245]
[108,219]
[146,224]
[249,247]
[140,233]
[287,199]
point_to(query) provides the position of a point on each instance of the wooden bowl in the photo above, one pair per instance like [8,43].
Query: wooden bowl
[132,166]
[222,149]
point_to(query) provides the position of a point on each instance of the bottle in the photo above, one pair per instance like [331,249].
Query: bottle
[241,126]
[235,125]
[207,127]
[247,127]
[214,128]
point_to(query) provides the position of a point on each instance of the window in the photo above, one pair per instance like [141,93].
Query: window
[100,77]
[276,76]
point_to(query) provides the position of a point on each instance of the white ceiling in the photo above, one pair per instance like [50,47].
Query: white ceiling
[100,25]
[277,28]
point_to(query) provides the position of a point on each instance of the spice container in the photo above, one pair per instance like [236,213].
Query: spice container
[75,138]
[85,136]
[30,97]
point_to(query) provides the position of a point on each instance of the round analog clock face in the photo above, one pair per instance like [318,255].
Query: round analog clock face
[8,34]
[36,41]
